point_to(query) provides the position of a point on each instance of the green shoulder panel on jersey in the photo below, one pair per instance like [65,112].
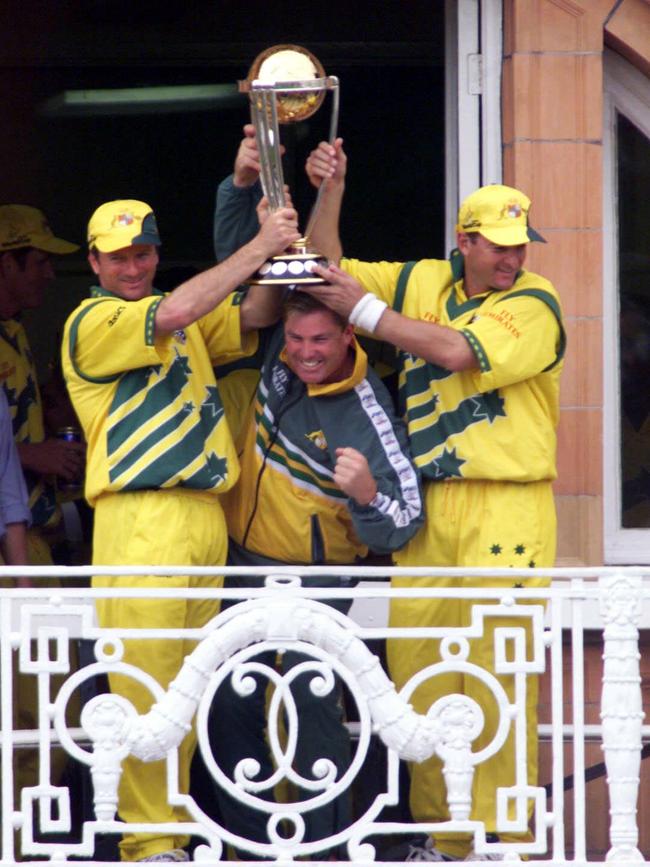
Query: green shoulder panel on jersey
[72,345]
[457,263]
[551,301]
[454,309]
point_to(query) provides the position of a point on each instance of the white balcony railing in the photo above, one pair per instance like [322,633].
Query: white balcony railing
[545,636]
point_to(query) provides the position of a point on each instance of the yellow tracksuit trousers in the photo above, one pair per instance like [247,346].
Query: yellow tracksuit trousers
[166,527]
[470,523]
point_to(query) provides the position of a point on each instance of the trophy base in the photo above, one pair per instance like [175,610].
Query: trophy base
[294,267]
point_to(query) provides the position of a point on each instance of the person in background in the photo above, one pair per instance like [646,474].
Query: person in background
[28,248]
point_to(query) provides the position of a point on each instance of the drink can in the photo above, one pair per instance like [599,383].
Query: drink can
[70,434]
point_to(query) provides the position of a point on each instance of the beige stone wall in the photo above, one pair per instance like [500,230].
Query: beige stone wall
[552,137]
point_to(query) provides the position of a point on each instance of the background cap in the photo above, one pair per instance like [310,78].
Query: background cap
[24,226]
[122,223]
[498,213]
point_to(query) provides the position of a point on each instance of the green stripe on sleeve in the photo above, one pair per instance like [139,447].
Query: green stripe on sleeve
[477,349]
[149,323]
[72,344]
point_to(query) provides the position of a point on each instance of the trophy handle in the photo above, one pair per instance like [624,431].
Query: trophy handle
[264,114]
[333,85]
[263,107]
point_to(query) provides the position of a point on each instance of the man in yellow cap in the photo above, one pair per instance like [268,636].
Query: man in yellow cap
[139,368]
[27,246]
[27,249]
[481,343]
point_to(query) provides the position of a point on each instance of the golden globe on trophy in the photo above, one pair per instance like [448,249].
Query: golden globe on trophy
[287,84]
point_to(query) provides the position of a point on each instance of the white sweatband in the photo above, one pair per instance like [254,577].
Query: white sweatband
[367,312]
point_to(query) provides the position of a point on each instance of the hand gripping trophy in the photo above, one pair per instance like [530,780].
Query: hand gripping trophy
[287,84]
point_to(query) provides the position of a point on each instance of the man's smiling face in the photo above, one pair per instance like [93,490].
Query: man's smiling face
[317,347]
[128,272]
[489,265]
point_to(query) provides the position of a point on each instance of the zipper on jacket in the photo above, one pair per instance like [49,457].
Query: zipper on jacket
[317,542]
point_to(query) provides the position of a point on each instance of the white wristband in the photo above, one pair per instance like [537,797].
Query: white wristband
[367,312]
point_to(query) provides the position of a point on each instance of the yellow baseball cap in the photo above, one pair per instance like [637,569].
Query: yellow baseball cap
[498,213]
[122,223]
[24,226]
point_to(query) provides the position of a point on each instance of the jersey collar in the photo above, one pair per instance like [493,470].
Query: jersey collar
[100,292]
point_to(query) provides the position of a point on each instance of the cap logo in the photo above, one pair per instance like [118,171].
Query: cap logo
[512,210]
[124,219]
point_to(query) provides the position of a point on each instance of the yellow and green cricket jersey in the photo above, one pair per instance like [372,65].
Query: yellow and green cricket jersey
[498,420]
[150,407]
[18,378]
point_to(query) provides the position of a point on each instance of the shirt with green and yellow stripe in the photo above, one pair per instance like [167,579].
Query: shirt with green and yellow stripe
[498,420]
[150,406]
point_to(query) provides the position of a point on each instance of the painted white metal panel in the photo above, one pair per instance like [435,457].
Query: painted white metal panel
[284,616]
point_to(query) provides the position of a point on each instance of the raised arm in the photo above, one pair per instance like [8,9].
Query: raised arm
[235,218]
[438,344]
[201,294]
[328,163]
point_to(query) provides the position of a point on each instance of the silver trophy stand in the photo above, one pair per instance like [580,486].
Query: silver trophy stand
[282,102]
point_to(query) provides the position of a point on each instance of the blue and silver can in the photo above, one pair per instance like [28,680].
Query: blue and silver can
[70,434]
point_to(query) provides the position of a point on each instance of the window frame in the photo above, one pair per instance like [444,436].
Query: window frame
[626,92]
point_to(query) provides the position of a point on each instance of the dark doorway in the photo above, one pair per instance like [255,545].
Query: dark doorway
[389,58]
